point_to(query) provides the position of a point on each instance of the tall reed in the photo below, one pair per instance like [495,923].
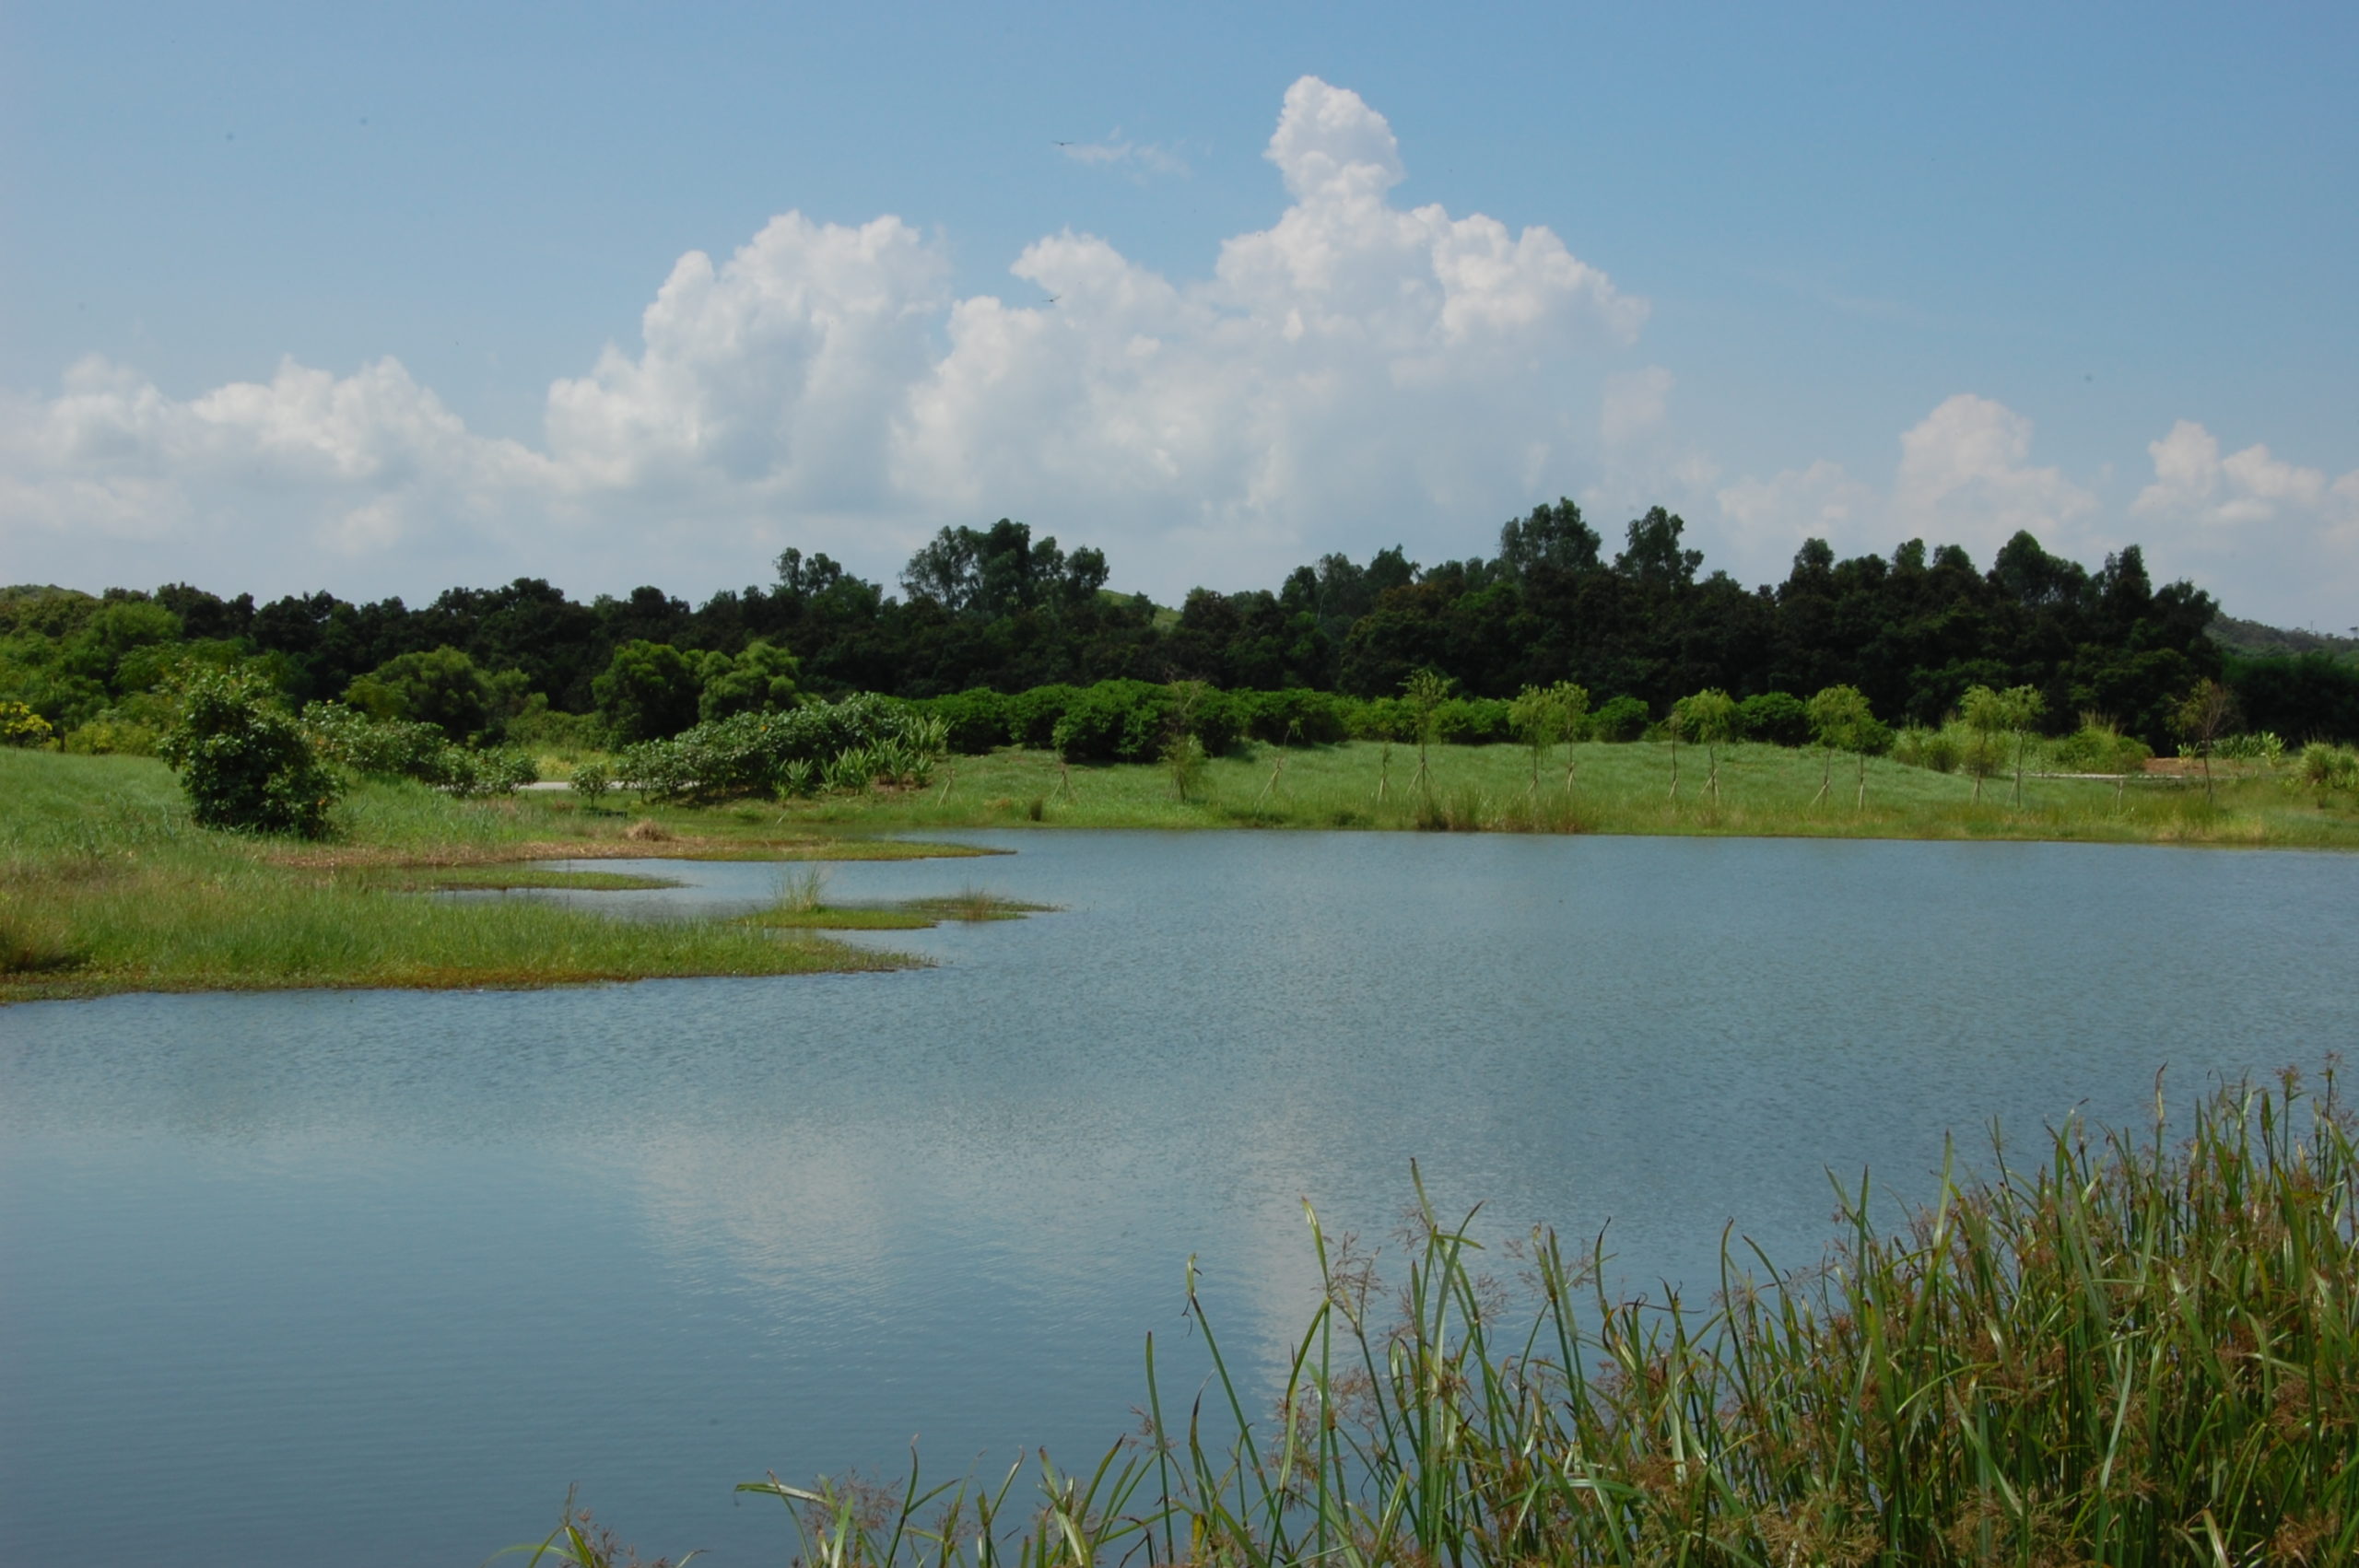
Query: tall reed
[2129,1352]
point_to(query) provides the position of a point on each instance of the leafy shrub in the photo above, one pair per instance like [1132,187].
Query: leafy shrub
[379,748]
[1113,721]
[495,772]
[1382,719]
[1032,715]
[112,734]
[245,762]
[748,754]
[20,726]
[2325,767]
[406,749]
[1293,716]
[1941,750]
[1475,721]
[975,719]
[2099,747]
[591,781]
[538,727]
[1624,719]
[850,770]
[2262,745]
[1131,721]
[1777,718]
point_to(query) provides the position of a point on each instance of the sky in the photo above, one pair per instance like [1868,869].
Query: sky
[386,300]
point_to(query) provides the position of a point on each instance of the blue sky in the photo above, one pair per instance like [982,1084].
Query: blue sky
[360,298]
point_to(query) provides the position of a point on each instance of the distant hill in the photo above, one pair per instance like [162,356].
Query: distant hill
[2254,639]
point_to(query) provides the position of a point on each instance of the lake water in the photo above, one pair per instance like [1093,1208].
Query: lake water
[372,1278]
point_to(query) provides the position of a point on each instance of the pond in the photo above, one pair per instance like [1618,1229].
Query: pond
[372,1278]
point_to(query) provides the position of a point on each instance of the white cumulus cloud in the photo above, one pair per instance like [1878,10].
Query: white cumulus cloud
[2193,480]
[2268,538]
[1964,477]
[1357,368]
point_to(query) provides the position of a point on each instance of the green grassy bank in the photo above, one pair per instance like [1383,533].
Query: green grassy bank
[1626,789]
[106,885]
[2124,1349]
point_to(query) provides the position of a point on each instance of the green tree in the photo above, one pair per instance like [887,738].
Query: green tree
[1547,716]
[1534,716]
[1183,748]
[647,693]
[2021,707]
[1841,719]
[762,679]
[244,761]
[592,779]
[1708,717]
[1425,691]
[1987,716]
[443,688]
[2202,716]
[1572,712]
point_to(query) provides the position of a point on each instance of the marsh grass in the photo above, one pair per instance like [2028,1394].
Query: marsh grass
[197,919]
[1764,791]
[971,904]
[510,877]
[106,885]
[2125,1351]
[839,917]
[801,906]
[801,891]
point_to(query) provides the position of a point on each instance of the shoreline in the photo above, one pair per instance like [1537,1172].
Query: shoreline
[108,888]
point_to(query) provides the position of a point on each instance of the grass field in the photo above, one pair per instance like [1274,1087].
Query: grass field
[106,885]
[1762,790]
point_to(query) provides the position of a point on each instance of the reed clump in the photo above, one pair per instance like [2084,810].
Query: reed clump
[2130,1351]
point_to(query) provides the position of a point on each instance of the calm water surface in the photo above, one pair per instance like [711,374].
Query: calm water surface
[371,1277]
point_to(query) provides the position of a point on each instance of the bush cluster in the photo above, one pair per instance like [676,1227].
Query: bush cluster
[1134,720]
[1130,720]
[2099,747]
[2327,767]
[400,748]
[765,753]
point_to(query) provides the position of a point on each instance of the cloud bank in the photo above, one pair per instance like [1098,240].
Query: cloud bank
[1358,373]
[1358,366]
[2267,538]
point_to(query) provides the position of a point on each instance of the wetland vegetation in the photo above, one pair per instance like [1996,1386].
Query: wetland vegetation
[2129,1349]
[107,884]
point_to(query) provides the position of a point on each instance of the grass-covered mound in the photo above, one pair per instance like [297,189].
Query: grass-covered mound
[2126,1351]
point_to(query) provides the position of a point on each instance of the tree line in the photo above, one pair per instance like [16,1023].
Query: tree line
[996,609]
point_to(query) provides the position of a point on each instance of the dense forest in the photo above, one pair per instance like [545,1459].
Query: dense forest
[999,609]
